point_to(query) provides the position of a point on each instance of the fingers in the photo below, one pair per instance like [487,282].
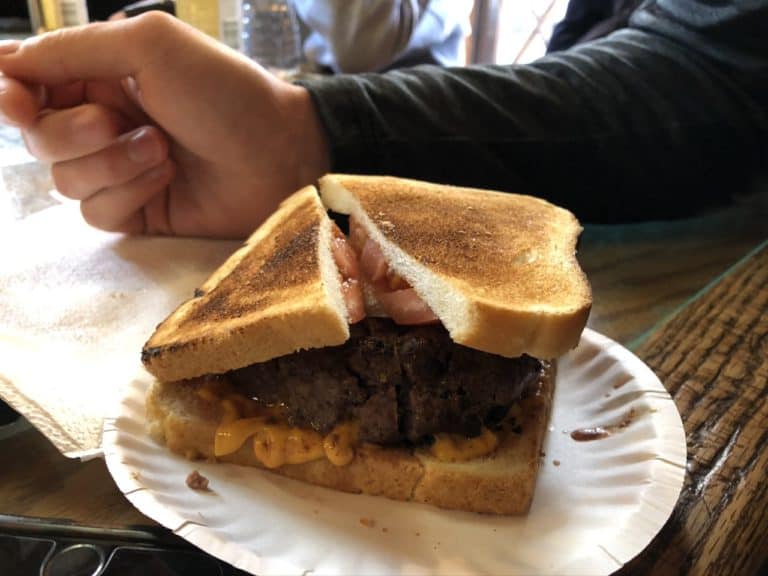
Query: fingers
[126,158]
[65,95]
[66,134]
[19,103]
[113,94]
[120,96]
[120,208]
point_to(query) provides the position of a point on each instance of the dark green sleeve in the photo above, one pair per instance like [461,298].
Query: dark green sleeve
[659,120]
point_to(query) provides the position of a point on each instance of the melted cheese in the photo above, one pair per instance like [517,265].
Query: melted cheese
[208,394]
[339,444]
[455,448]
[215,392]
[231,435]
[230,411]
[276,444]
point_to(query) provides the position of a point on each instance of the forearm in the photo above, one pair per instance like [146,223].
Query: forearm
[631,127]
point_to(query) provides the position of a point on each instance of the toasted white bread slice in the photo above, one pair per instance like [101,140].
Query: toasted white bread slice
[500,483]
[279,293]
[498,269]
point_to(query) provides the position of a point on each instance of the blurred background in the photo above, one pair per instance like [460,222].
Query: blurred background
[503,31]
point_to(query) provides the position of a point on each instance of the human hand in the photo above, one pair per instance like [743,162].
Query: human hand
[158,129]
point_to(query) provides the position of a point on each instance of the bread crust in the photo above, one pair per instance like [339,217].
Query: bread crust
[501,483]
[487,263]
[279,293]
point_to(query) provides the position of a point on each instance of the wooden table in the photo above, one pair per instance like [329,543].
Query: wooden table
[690,297]
[713,359]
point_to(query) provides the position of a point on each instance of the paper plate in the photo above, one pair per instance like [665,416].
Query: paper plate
[597,504]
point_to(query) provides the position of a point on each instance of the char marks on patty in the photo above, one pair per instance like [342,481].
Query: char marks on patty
[401,383]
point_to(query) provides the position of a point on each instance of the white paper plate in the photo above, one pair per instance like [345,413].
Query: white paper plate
[594,511]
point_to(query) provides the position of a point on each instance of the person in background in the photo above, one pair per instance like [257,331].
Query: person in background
[587,20]
[358,36]
[155,129]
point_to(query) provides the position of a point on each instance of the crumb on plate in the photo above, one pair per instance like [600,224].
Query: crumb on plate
[197,481]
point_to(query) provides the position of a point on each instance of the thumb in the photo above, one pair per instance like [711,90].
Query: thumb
[103,50]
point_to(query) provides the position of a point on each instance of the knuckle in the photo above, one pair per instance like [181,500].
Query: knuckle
[152,35]
[155,18]
[91,213]
[31,143]
[91,127]
[152,26]
[92,118]
[62,182]
[97,213]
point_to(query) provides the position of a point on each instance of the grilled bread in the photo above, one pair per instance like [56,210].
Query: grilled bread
[279,293]
[500,483]
[487,263]
[497,269]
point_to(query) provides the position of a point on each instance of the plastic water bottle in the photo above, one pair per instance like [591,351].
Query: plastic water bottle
[271,34]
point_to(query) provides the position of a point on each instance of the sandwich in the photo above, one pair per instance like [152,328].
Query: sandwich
[413,358]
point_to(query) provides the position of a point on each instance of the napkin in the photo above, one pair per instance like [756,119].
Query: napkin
[76,306]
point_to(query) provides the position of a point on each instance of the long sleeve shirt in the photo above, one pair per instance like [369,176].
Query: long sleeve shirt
[658,120]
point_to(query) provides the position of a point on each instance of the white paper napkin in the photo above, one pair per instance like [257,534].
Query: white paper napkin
[76,306]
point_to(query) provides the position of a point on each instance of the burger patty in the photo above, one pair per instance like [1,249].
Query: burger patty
[401,383]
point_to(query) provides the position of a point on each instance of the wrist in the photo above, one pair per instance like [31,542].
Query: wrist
[311,150]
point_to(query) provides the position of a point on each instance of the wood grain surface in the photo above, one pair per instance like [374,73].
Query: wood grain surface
[713,358]
[641,273]
[38,481]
